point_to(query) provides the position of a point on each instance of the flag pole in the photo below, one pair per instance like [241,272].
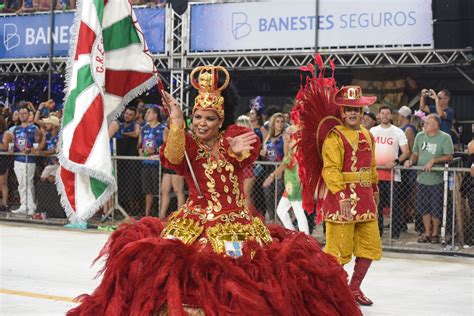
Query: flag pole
[188,161]
[192,174]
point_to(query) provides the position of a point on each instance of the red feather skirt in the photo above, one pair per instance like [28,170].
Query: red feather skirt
[145,274]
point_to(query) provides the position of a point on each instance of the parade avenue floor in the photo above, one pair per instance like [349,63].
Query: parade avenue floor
[44,267]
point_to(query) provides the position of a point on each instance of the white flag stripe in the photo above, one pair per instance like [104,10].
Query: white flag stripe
[100,156]
[120,59]
[111,103]
[85,199]
[121,9]
[89,16]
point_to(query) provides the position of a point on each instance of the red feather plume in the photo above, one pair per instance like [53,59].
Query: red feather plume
[317,114]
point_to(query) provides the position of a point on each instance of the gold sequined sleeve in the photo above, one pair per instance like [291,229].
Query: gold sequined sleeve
[174,146]
[333,157]
[244,155]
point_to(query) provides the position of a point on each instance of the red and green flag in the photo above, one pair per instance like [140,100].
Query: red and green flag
[109,66]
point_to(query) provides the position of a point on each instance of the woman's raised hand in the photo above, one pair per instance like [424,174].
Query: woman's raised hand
[243,142]
[176,115]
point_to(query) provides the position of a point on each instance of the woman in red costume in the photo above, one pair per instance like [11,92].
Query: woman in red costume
[212,257]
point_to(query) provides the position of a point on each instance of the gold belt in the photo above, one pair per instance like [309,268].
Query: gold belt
[363,177]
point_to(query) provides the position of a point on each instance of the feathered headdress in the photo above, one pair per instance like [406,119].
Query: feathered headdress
[317,114]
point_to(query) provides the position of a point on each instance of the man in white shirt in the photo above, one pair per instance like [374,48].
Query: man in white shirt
[389,139]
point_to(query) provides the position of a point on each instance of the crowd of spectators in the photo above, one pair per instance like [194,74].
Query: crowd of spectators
[29,6]
[409,137]
[424,137]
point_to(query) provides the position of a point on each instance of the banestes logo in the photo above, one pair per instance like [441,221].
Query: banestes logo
[240,27]
[11,39]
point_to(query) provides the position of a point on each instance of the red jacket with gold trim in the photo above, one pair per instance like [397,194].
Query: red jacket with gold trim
[349,173]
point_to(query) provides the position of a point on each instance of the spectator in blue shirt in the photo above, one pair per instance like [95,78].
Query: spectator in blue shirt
[441,107]
[126,133]
[25,136]
[149,142]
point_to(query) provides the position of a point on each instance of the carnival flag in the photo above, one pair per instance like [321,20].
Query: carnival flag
[108,66]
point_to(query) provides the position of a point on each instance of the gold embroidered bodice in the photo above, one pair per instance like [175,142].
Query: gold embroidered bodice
[221,213]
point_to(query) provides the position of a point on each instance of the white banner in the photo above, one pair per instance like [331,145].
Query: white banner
[292,24]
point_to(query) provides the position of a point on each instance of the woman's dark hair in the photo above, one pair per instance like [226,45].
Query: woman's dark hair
[231,102]
[259,117]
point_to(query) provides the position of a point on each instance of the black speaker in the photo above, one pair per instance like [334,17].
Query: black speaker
[451,34]
[451,9]
[470,37]
[179,6]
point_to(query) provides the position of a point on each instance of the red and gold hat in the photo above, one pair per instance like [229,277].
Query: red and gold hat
[352,96]
[207,84]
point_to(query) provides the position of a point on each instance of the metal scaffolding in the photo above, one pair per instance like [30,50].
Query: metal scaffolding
[40,66]
[342,59]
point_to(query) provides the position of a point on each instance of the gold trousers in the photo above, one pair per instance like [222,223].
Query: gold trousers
[361,239]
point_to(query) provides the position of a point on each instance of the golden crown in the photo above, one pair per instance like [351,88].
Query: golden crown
[207,84]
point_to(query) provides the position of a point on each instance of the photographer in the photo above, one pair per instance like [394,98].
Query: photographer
[441,107]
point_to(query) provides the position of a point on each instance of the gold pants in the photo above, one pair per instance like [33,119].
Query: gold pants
[361,239]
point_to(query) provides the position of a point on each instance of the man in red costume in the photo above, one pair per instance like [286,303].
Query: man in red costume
[350,206]
[337,166]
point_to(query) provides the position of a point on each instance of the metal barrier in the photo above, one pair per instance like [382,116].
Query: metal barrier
[452,201]
[450,204]
[24,192]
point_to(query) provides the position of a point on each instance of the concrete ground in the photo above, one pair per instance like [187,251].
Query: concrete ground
[42,268]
